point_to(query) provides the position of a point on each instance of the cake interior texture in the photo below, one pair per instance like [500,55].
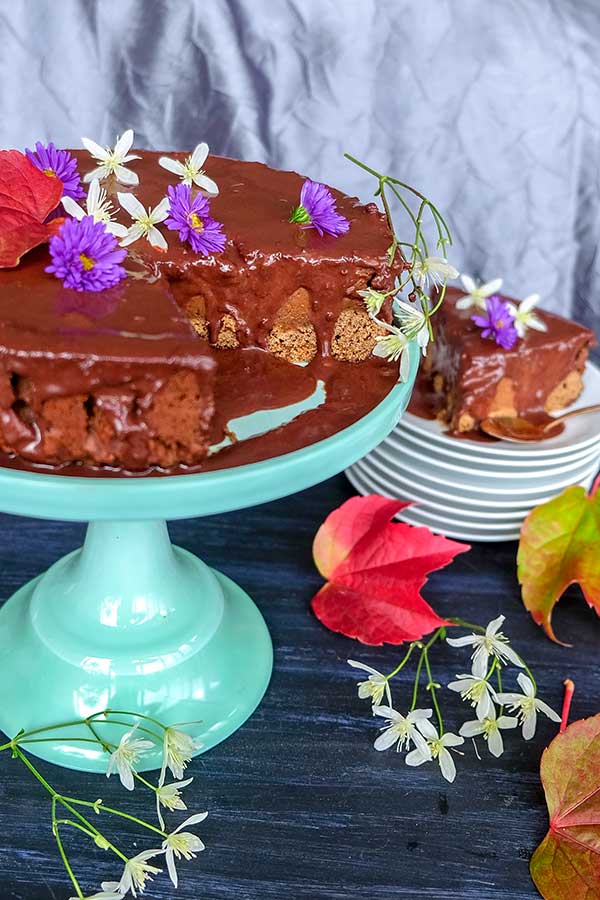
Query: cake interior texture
[474,378]
[126,377]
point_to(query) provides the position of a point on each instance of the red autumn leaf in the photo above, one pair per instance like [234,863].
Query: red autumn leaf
[559,546]
[375,570]
[27,197]
[566,865]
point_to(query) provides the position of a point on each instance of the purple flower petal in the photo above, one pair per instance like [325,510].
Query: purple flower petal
[498,323]
[190,216]
[318,210]
[85,256]
[58,163]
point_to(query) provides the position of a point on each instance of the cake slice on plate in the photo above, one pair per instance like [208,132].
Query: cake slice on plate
[474,377]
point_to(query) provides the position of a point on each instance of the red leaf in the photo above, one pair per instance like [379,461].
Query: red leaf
[566,865]
[27,197]
[376,569]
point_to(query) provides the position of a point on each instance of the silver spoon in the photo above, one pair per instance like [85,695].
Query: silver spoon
[522,431]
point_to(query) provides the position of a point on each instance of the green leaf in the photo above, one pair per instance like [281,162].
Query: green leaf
[566,865]
[559,546]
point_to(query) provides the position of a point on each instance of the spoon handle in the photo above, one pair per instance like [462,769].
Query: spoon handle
[571,414]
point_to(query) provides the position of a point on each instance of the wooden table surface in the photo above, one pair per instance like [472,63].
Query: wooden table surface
[301,805]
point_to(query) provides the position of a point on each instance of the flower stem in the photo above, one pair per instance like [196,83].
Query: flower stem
[431,689]
[404,660]
[126,712]
[62,852]
[469,625]
[117,812]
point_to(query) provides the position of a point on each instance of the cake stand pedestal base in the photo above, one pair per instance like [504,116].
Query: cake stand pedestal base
[130,622]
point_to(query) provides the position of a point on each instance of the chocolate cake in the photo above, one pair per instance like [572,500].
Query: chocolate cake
[473,377]
[125,377]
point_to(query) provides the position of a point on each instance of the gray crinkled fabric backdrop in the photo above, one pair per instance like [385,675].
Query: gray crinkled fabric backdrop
[492,108]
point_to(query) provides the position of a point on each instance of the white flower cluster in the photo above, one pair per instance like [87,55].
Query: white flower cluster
[112,163]
[415,733]
[178,749]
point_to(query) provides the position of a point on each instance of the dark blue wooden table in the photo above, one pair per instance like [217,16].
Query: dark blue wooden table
[301,806]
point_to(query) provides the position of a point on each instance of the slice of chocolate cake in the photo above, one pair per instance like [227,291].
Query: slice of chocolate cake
[124,377]
[474,377]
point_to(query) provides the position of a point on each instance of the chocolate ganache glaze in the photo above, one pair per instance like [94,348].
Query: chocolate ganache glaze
[132,379]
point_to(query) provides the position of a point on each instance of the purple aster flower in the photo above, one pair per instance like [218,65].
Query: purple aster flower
[59,164]
[190,216]
[498,323]
[86,256]
[318,210]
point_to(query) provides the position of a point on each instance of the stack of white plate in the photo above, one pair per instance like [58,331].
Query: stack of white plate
[480,491]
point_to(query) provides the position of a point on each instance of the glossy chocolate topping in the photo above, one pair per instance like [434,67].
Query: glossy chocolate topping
[58,343]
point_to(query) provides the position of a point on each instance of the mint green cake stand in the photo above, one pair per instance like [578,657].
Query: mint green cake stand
[131,622]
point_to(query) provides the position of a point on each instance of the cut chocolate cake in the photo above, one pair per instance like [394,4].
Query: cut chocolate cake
[124,376]
[473,377]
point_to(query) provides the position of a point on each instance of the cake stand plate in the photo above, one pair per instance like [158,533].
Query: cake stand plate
[131,622]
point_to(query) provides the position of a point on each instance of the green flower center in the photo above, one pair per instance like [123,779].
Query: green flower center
[300,214]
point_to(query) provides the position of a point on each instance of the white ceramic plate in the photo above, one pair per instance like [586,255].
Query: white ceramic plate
[417,490]
[523,462]
[487,521]
[396,452]
[467,483]
[450,509]
[579,432]
[364,486]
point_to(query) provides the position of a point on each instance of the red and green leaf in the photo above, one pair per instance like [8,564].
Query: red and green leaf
[559,546]
[566,865]
[375,570]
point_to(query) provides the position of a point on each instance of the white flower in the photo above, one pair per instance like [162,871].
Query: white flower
[109,892]
[182,844]
[490,729]
[436,269]
[178,749]
[126,756]
[477,294]
[401,729]
[97,206]
[169,796]
[375,686]
[137,872]
[492,643]
[524,318]
[191,170]
[112,162]
[373,301]
[412,323]
[476,689]
[145,221]
[526,705]
[437,748]
[394,347]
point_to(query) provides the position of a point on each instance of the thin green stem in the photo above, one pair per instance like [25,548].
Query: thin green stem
[126,712]
[404,660]
[118,812]
[469,625]
[76,825]
[431,688]
[63,854]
